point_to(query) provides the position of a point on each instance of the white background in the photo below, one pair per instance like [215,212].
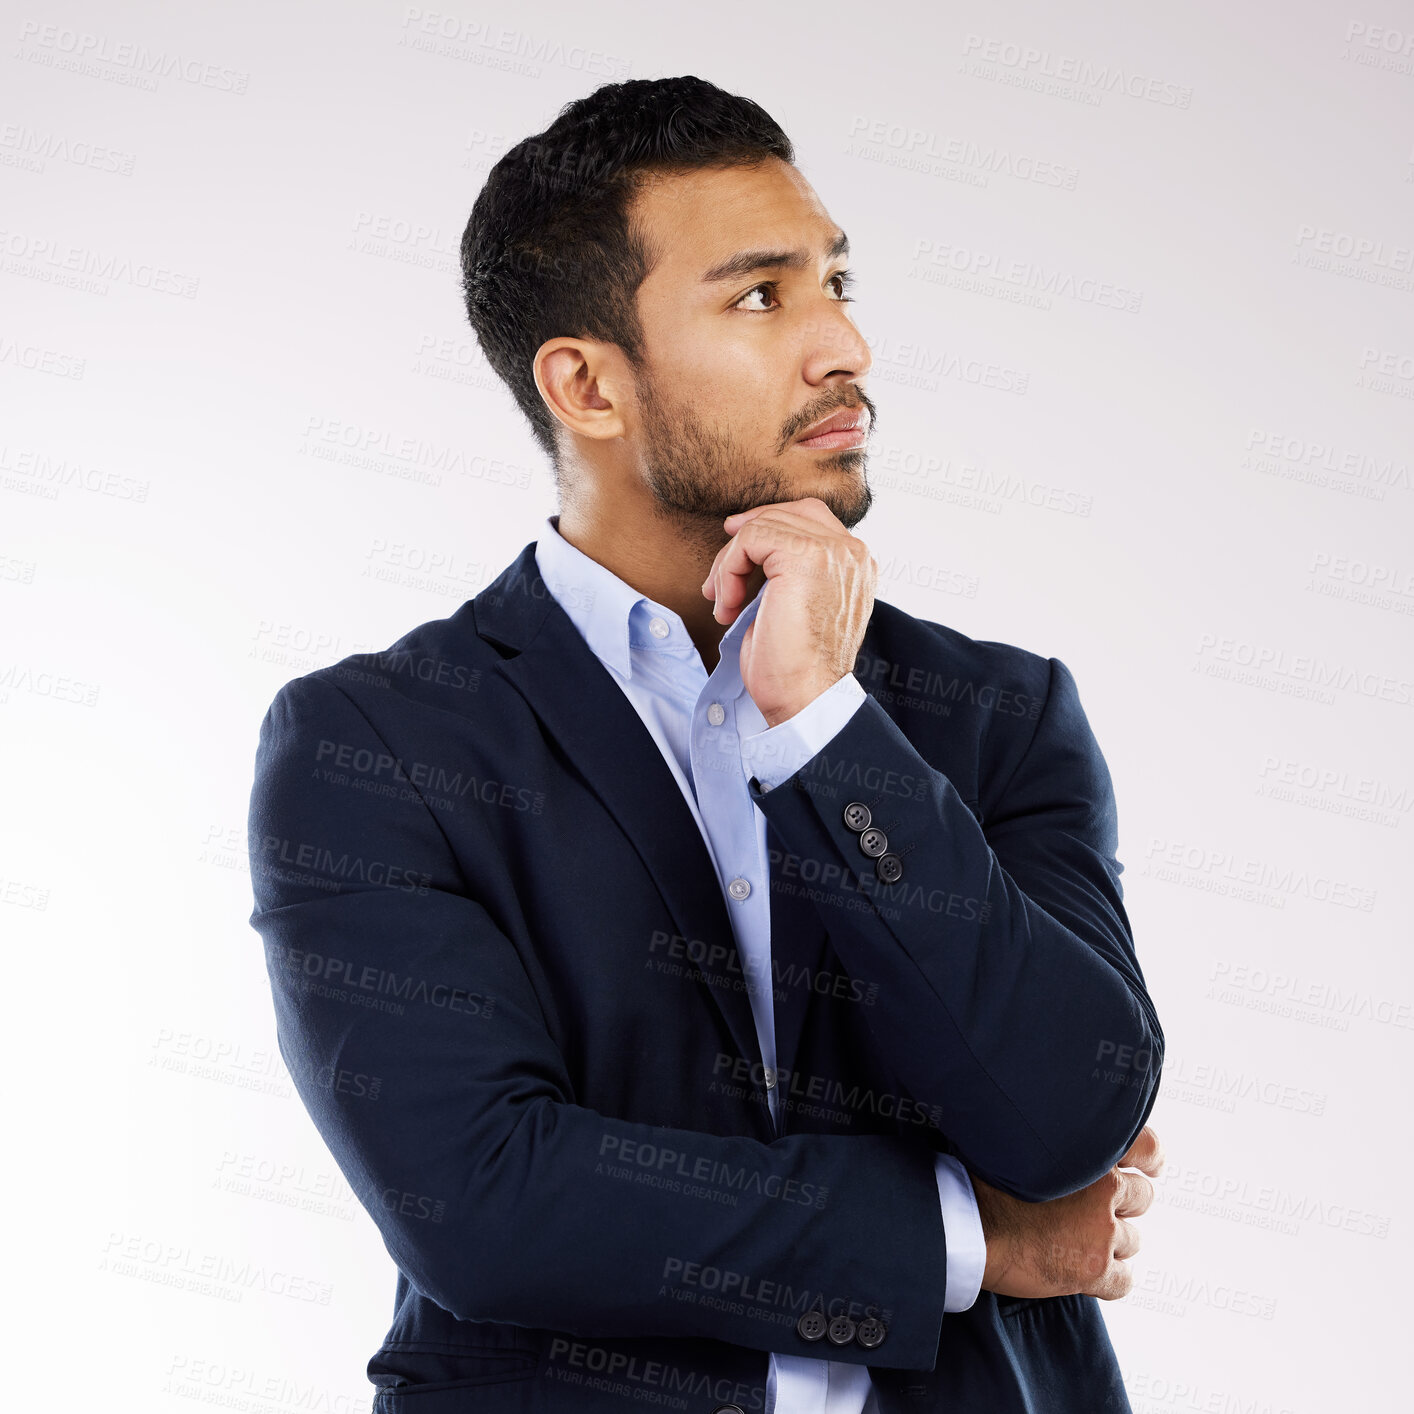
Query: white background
[233,358]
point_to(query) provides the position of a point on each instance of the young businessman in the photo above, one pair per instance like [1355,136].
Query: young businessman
[714,981]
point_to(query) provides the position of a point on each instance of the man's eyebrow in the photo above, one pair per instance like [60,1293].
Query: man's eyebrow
[746,262]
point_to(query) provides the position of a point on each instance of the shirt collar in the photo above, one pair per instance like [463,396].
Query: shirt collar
[607,611]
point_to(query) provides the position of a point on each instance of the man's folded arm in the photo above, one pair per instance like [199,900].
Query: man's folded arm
[1010,994]
[778,752]
[418,1045]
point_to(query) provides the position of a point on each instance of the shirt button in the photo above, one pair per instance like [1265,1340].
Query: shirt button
[659,628]
[716,714]
[739,888]
[770,1077]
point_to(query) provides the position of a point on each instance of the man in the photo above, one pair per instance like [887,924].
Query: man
[714,981]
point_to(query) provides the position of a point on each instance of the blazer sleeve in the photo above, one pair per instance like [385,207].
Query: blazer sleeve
[1010,993]
[417,1044]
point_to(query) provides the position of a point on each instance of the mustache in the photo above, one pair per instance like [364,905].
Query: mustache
[852,398]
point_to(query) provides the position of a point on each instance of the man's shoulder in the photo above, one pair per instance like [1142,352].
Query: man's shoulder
[441,662]
[920,665]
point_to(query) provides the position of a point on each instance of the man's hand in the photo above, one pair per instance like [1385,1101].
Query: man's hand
[1079,1243]
[819,594]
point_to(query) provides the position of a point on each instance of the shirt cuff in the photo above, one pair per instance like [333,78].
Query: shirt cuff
[776,754]
[962,1232]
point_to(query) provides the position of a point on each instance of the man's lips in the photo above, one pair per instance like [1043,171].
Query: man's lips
[845,428]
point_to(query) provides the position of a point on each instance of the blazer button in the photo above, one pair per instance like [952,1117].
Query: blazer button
[889,867]
[841,1331]
[871,1332]
[811,1326]
[873,842]
[729,1409]
[857,816]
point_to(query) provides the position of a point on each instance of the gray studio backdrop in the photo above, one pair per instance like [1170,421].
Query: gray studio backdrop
[1139,284]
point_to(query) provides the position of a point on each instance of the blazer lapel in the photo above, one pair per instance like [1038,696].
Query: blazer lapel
[581,705]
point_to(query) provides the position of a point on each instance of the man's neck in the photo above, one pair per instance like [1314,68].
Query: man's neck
[663,559]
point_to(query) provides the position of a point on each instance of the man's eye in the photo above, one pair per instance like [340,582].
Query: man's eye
[843,279]
[767,285]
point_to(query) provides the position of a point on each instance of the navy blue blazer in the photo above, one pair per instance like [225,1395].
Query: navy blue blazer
[506,989]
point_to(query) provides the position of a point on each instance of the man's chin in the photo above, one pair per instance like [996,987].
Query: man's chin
[847,480]
[832,465]
[847,502]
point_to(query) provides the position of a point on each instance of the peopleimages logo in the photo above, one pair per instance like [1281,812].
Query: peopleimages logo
[918,149]
[498,46]
[666,1163]
[1092,79]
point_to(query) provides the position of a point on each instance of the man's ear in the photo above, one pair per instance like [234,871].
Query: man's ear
[587,385]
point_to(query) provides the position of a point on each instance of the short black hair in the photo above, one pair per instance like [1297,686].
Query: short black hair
[550,250]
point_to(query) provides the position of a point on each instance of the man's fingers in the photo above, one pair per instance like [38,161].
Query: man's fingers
[734,566]
[1118,1279]
[1127,1242]
[1135,1197]
[1146,1153]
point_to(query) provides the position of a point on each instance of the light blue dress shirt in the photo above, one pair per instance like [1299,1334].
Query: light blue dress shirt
[714,739]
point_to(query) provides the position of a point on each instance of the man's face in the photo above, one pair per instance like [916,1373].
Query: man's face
[738,369]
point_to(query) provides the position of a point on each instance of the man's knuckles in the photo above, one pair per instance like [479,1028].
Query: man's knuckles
[1147,1153]
[1137,1197]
